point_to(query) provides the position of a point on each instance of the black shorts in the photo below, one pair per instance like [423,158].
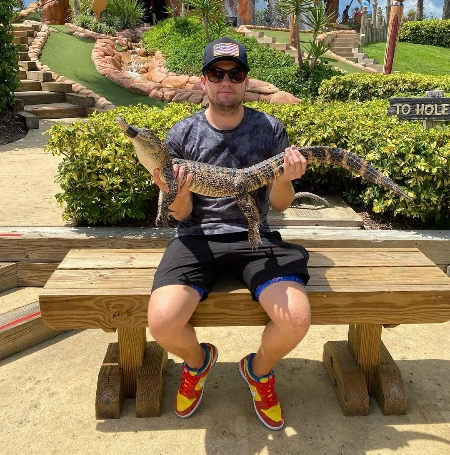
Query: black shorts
[196,260]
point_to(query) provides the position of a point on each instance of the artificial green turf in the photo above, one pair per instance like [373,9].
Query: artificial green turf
[34,16]
[283,37]
[414,58]
[70,56]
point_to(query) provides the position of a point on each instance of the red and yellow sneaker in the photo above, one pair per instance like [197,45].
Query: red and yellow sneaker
[265,400]
[190,392]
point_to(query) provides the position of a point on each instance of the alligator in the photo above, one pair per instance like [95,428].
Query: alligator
[215,181]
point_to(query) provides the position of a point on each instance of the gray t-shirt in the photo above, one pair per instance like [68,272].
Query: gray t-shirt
[259,136]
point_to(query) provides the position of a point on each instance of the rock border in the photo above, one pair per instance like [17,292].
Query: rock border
[160,84]
[34,51]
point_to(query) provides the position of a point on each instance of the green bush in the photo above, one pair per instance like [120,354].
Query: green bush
[123,14]
[103,183]
[9,67]
[101,179]
[182,43]
[434,32]
[89,22]
[363,87]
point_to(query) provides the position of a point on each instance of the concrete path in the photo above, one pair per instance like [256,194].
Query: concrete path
[27,181]
[47,392]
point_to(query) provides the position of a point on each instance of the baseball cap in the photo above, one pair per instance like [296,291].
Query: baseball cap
[225,48]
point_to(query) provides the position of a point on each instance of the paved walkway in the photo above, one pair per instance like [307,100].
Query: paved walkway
[27,181]
[47,392]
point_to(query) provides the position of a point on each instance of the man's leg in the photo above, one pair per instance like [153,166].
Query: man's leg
[169,311]
[287,306]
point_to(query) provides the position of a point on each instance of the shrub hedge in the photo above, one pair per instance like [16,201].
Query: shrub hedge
[103,183]
[364,87]
[434,32]
[9,67]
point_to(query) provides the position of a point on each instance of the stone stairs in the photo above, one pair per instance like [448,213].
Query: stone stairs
[347,46]
[38,95]
[269,41]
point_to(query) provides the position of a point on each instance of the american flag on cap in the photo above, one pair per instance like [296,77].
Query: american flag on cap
[226,49]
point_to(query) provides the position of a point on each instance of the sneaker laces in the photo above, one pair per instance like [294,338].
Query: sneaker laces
[188,383]
[267,392]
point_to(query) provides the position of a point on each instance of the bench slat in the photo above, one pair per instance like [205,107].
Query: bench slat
[224,309]
[358,277]
[104,259]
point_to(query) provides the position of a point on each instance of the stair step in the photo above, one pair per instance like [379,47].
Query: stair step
[20,40]
[23,47]
[22,75]
[353,59]
[337,49]
[23,56]
[40,97]
[31,121]
[20,26]
[266,39]
[56,110]
[26,86]
[28,65]
[279,46]
[41,76]
[62,87]
[80,100]
[255,34]
[25,33]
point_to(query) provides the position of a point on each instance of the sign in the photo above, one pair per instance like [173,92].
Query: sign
[420,108]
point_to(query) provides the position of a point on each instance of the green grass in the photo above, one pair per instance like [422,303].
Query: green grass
[414,58]
[70,56]
[283,37]
[34,16]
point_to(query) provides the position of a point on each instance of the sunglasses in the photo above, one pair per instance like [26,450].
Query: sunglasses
[236,75]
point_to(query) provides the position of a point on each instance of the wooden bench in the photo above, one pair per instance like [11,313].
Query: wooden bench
[363,288]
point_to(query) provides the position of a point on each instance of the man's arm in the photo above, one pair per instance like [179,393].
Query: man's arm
[181,207]
[281,191]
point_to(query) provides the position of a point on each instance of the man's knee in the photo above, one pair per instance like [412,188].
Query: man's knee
[170,309]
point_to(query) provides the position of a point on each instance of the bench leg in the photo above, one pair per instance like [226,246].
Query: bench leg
[132,344]
[109,396]
[131,368]
[384,380]
[347,378]
[363,367]
[150,381]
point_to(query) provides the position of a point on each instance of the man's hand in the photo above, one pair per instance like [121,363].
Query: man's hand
[179,173]
[281,191]
[181,207]
[294,165]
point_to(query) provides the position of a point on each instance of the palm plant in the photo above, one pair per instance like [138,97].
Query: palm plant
[295,8]
[208,11]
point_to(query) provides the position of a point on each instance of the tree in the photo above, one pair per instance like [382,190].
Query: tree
[446,10]
[419,11]
[295,8]
[314,16]
[209,12]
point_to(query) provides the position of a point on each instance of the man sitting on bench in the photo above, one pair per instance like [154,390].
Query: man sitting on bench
[213,234]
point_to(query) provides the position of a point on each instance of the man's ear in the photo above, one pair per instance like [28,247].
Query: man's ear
[203,82]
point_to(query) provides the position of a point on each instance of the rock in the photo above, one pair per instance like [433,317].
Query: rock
[55,12]
[257,86]
[157,75]
[181,96]
[284,98]
[251,96]
[175,81]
